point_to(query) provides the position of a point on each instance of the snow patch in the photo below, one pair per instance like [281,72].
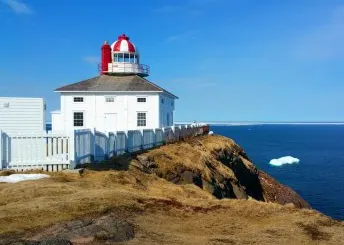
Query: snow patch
[14,178]
[284,160]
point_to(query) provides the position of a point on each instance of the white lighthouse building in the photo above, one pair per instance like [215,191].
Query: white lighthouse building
[120,98]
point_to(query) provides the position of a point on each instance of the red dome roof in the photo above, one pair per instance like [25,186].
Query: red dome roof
[123,45]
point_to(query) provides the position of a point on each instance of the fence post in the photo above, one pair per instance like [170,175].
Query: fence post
[154,135]
[92,144]
[71,150]
[142,139]
[126,140]
[1,150]
[107,145]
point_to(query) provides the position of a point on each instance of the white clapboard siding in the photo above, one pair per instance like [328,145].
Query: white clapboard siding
[24,115]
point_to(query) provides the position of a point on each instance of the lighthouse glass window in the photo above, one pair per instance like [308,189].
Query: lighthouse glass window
[78,119]
[126,58]
[141,119]
[121,57]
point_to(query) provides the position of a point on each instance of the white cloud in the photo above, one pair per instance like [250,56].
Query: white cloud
[18,7]
[91,59]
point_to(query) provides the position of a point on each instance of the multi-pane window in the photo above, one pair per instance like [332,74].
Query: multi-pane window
[141,99]
[109,99]
[121,57]
[78,99]
[78,119]
[115,57]
[141,119]
[126,58]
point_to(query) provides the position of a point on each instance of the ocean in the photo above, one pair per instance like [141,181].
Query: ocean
[319,175]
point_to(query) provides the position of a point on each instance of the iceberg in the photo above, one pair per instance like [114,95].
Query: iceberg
[284,160]
[14,178]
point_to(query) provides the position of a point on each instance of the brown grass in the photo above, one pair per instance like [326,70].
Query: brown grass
[161,212]
[194,154]
[6,172]
[34,204]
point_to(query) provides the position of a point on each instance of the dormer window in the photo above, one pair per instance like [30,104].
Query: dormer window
[78,99]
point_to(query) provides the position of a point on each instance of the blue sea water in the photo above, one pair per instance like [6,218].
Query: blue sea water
[318,177]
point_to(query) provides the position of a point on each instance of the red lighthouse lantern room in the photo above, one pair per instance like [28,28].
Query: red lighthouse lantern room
[122,58]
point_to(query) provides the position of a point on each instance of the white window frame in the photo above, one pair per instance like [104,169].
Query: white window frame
[141,122]
[141,97]
[83,119]
[78,99]
[110,97]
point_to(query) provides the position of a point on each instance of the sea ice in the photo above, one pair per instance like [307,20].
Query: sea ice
[284,160]
[14,178]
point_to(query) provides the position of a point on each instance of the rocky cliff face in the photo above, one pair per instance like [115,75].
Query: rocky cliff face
[217,165]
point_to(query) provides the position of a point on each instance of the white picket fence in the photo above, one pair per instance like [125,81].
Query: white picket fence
[92,145]
[50,152]
[55,152]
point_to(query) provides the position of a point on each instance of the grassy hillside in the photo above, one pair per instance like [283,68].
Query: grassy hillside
[133,207]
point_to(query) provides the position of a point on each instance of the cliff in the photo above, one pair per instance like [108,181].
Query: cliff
[204,190]
[217,165]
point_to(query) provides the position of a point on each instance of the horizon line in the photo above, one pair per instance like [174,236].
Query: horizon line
[264,122]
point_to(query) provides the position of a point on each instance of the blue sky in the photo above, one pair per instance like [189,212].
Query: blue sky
[227,60]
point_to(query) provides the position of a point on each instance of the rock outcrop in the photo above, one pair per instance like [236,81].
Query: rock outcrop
[218,165]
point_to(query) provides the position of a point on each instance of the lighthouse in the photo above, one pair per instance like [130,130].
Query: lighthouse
[121,98]
[122,58]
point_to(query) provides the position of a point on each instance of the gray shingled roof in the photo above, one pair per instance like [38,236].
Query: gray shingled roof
[106,83]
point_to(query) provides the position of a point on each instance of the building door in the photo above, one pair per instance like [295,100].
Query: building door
[110,122]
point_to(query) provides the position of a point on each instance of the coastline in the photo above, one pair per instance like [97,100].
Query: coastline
[213,123]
